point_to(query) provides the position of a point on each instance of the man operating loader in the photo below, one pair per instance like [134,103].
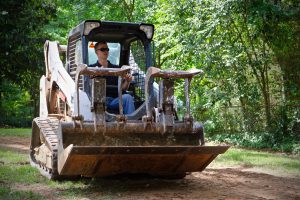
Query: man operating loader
[102,52]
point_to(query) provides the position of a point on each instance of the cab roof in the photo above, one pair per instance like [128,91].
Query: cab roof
[96,30]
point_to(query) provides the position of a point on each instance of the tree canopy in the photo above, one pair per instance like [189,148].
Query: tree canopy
[22,36]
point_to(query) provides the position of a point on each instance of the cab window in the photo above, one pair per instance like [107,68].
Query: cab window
[114,53]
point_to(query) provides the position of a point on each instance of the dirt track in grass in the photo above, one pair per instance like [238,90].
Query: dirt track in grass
[212,183]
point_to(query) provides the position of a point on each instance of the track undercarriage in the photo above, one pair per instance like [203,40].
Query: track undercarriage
[44,146]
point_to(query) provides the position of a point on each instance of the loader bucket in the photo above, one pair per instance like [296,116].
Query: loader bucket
[100,161]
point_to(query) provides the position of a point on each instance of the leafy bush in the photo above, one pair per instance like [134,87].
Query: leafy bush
[296,148]
[16,106]
[262,140]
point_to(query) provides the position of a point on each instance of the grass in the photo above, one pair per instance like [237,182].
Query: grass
[15,167]
[18,132]
[8,194]
[269,161]
[10,157]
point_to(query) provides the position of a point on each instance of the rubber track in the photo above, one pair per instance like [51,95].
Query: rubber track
[48,128]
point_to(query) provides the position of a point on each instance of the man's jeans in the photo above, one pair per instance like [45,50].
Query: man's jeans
[128,104]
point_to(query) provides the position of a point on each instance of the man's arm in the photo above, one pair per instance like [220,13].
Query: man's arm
[126,80]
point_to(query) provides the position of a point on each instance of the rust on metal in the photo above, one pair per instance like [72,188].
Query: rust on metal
[105,161]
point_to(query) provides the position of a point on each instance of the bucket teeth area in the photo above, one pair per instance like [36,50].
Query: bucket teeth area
[154,160]
[60,153]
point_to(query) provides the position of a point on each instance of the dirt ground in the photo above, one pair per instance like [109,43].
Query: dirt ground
[212,183]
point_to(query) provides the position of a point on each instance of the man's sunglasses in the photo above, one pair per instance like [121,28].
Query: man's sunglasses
[103,49]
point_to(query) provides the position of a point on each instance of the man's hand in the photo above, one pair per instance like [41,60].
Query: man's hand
[128,77]
[127,80]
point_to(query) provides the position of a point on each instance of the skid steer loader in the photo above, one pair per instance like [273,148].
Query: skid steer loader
[76,135]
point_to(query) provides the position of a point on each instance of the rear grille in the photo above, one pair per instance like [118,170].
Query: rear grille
[71,57]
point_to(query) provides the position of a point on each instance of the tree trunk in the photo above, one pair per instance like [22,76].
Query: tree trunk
[267,106]
[243,101]
[284,117]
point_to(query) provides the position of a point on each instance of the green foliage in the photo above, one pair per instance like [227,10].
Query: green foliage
[16,107]
[70,13]
[245,82]
[21,55]
[22,37]
[249,51]
[263,140]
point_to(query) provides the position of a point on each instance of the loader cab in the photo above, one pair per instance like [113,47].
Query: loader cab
[129,44]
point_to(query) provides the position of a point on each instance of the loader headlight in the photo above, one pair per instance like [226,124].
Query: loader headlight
[88,26]
[148,30]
